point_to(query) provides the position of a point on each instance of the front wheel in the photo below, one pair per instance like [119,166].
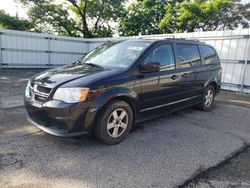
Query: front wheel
[114,122]
[207,102]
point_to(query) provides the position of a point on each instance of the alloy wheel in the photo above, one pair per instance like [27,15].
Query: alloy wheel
[209,98]
[117,123]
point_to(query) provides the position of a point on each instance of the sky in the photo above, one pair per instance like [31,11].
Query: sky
[11,7]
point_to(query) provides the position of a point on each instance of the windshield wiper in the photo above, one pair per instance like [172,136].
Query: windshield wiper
[94,65]
[77,62]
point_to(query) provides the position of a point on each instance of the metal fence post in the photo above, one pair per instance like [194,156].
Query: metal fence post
[49,41]
[49,52]
[246,51]
[1,55]
[88,49]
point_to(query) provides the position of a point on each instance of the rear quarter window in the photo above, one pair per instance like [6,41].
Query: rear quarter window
[209,54]
[188,55]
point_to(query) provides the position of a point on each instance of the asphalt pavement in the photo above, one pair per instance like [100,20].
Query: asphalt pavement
[189,148]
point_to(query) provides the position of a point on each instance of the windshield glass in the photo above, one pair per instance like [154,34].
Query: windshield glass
[117,55]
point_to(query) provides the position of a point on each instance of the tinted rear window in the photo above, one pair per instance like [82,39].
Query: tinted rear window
[188,55]
[209,55]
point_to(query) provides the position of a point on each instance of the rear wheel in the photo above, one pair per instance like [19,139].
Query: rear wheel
[114,122]
[207,99]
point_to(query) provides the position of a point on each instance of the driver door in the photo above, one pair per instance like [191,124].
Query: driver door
[160,89]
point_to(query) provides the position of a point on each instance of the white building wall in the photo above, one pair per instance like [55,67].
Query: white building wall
[35,50]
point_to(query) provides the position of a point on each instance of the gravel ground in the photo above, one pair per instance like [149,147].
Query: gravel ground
[189,148]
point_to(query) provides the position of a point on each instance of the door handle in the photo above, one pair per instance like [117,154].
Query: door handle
[173,77]
[184,75]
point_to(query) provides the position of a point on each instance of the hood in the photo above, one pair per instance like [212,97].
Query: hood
[58,76]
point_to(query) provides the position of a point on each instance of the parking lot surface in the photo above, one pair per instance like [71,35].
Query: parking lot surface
[232,173]
[164,152]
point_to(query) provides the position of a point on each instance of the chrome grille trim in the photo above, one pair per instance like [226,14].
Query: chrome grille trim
[43,89]
[38,94]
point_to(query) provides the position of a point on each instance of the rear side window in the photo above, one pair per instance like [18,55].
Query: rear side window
[188,55]
[209,55]
[164,55]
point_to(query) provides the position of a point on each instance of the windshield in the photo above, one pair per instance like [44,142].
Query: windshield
[117,55]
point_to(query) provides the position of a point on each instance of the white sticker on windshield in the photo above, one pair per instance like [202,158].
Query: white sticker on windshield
[137,48]
[123,66]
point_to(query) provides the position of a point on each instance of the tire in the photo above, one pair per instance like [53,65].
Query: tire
[114,122]
[207,102]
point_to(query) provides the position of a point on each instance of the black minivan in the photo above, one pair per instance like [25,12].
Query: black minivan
[118,84]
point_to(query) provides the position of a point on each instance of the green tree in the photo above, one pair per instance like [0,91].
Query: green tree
[205,15]
[13,22]
[247,15]
[163,16]
[143,17]
[52,18]
[87,18]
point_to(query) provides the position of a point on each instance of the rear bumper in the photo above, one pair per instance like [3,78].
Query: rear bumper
[58,118]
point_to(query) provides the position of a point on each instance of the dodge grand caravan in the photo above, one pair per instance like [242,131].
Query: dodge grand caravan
[119,84]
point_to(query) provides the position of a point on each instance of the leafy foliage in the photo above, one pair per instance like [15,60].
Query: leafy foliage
[205,16]
[87,18]
[143,17]
[163,16]
[52,18]
[14,23]
[98,18]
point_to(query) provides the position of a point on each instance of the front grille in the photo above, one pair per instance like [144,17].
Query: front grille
[39,93]
[40,98]
[43,89]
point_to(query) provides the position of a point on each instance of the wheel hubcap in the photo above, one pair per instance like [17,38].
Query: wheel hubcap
[117,123]
[209,98]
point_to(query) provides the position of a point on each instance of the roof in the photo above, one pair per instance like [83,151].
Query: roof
[153,39]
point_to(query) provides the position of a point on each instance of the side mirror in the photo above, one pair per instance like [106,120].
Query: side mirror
[151,67]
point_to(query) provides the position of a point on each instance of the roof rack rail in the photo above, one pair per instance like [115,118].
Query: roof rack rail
[190,39]
[167,37]
[155,37]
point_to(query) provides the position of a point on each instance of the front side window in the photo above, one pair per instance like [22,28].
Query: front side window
[116,55]
[209,55]
[164,55]
[188,55]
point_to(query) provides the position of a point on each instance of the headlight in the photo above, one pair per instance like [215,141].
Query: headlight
[27,92]
[71,95]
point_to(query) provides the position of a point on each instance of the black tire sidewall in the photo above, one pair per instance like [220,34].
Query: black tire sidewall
[101,131]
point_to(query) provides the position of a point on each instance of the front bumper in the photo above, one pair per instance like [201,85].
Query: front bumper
[57,118]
